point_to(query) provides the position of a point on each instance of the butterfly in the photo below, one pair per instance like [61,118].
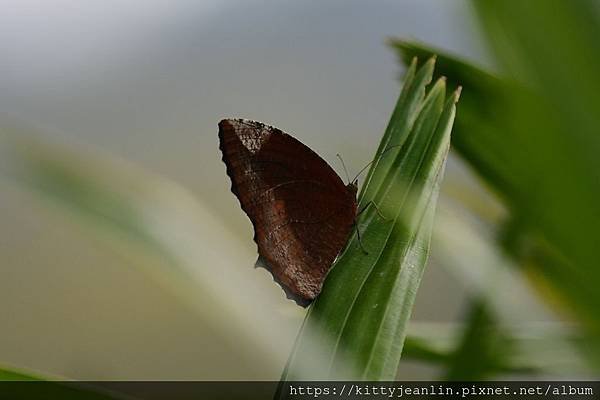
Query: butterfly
[301,210]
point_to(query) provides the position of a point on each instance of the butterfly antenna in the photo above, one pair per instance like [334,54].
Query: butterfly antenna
[375,159]
[343,166]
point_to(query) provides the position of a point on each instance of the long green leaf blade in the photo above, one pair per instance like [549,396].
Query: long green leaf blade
[532,135]
[362,313]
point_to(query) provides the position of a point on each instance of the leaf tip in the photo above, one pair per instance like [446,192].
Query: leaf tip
[431,61]
[457,93]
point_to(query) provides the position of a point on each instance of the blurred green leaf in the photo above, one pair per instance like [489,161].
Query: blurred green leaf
[483,349]
[56,391]
[12,375]
[532,134]
[363,310]
[20,385]
[552,48]
[169,234]
[416,348]
[526,350]
[546,343]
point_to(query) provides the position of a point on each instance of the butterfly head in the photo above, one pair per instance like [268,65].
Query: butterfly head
[353,187]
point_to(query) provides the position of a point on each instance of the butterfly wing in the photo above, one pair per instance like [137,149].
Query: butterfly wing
[301,210]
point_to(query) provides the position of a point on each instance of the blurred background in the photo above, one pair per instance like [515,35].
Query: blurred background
[123,254]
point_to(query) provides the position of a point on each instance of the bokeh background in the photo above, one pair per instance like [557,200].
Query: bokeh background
[126,96]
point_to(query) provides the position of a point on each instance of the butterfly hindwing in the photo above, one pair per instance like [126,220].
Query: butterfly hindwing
[301,210]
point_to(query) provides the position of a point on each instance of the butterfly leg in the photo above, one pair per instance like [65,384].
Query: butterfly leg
[369,204]
[359,239]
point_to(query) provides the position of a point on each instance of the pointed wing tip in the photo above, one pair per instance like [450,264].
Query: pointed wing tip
[224,124]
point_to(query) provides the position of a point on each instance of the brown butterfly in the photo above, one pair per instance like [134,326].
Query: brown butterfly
[301,210]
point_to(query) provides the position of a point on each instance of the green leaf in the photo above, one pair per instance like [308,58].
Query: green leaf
[483,348]
[165,232]
[13,375]
[552,48]
[474,258]
[531,348]
[532,134]
[20,385]
[362,313]
[419,349]
[479,134]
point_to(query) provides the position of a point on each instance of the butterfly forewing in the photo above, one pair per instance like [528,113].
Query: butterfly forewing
[301,210]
